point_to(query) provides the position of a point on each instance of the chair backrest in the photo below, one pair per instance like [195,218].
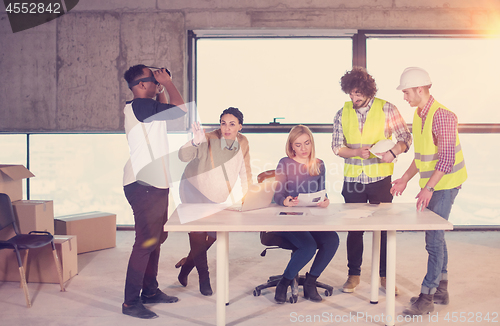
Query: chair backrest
[272,238]
[7,217]
[265,175]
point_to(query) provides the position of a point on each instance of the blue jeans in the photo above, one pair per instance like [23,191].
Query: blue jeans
[306,243]
[435,244]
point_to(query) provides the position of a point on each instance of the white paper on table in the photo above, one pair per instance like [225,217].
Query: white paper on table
[356,213]
[192,212]
[320,211]
[311,199]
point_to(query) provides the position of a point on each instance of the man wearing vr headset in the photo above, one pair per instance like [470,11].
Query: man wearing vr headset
[145,181]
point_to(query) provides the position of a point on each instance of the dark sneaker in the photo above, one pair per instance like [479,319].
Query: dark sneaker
[158,297]
[139,311]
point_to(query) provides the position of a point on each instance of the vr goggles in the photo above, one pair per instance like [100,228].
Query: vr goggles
[148,79]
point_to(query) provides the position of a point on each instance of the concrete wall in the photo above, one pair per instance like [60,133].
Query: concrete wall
[66,75]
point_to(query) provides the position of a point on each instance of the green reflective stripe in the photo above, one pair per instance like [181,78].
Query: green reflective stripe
[456,168]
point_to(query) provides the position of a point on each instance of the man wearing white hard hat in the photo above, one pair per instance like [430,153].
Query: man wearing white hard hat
[363,122]
[440,162]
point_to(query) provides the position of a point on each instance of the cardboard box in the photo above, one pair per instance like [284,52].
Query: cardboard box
[40,267]
[11,180]
[34,215]
[94,230]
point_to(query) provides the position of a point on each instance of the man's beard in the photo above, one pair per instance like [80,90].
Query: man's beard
[362,104]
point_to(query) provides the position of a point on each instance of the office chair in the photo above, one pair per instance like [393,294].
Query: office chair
[273,241]
[34,239]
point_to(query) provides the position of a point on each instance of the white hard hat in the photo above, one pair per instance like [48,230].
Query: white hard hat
[382,146]
[414,77]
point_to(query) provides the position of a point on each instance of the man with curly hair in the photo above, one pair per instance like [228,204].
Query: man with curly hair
[361,123]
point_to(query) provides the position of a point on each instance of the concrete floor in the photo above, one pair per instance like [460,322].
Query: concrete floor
[94,296]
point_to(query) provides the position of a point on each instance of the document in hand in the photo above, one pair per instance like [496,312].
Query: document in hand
[311,199]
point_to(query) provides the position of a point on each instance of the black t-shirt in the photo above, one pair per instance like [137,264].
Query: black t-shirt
[147,110]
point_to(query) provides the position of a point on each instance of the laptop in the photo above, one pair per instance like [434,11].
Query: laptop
[259,195]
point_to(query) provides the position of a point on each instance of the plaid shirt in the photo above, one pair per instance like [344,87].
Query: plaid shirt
[394,124]
[444,131]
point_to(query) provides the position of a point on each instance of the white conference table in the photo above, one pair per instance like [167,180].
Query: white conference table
[390,217]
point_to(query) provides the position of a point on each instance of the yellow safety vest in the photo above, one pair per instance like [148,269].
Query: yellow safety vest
[373,131]
[426,153]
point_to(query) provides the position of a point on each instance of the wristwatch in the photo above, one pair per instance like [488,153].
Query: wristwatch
[429,188]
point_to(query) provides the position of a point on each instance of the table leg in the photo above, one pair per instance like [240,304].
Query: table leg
[222,279]
[227,269]
[390,293]
[375,282]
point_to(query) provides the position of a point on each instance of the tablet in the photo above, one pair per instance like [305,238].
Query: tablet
[291,213]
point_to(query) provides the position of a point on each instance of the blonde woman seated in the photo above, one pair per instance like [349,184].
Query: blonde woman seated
[302,172]
[216,160]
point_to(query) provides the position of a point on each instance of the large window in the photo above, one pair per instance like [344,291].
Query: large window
[80,173]
[13,149]
[296,79]
[464,72]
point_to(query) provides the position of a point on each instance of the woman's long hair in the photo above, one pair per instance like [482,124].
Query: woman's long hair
[297,131]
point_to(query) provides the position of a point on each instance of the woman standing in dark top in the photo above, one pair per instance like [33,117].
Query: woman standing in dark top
[302,172]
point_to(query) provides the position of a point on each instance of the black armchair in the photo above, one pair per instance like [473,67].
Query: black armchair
[34,239]
[272,240]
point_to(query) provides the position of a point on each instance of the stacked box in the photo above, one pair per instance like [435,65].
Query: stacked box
[93,230]
[34,215]
[11,180]
[40,267]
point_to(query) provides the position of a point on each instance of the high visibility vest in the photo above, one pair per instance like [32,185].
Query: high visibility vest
[426,153]
[373,131]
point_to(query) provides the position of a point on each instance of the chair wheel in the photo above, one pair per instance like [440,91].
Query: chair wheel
[328,293]
[256,293]
[293,299]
